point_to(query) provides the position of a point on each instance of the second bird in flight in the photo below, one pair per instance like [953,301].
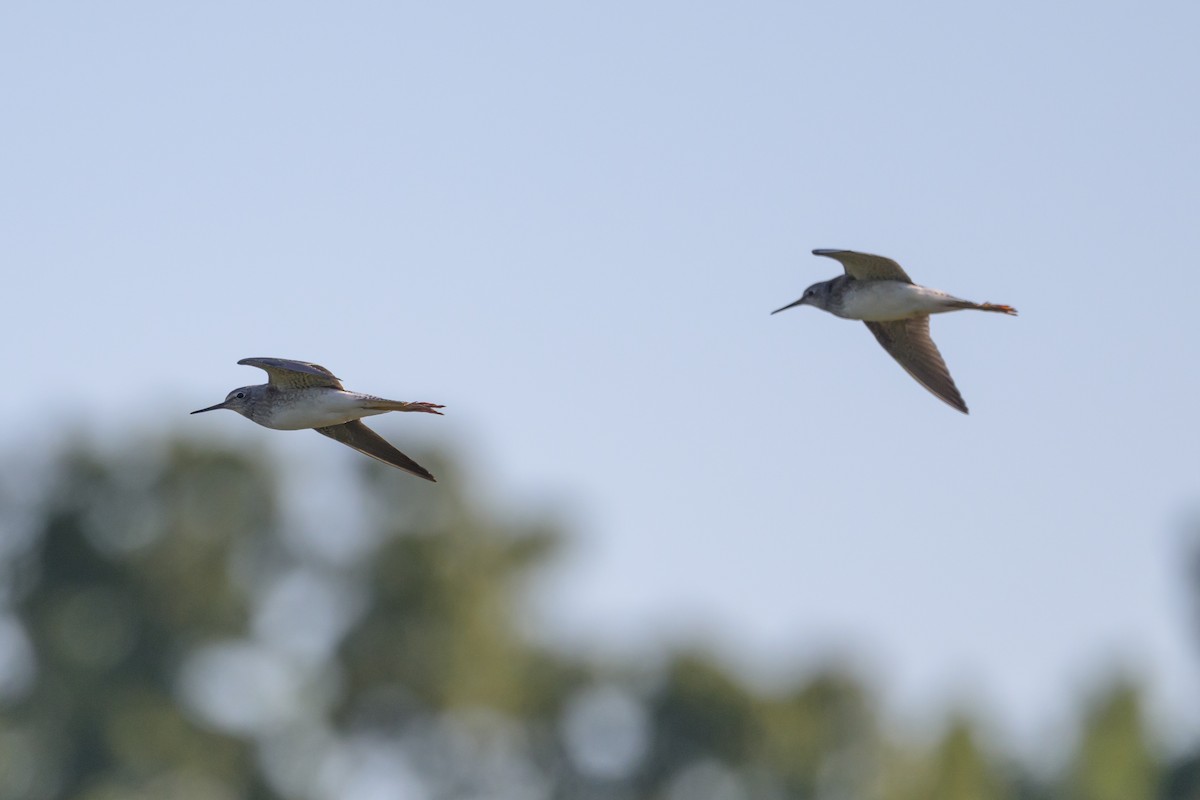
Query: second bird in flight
[878,292]
[300,395]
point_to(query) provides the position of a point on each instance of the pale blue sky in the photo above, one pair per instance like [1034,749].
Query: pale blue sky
[568,223]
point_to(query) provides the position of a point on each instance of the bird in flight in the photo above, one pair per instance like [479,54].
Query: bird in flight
[877,291]
[300,395]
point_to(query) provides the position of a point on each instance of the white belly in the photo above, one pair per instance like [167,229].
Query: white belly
[317,408]
[885,301]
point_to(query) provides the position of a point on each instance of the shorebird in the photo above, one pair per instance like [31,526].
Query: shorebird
[878,292]
[300,395]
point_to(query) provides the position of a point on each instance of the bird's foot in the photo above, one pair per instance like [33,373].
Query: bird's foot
[428,408]
[995,307]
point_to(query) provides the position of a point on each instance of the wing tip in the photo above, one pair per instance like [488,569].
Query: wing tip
[948,395]
[425,475]
[955,400]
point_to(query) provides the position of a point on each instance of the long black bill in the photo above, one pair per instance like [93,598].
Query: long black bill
[789,305]
[210,408]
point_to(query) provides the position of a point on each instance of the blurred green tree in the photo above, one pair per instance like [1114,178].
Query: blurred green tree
[1114,760]
[170,628]
[957,769]
[127,567]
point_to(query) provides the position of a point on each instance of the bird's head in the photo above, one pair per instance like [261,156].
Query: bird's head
[238,400]
[815,295]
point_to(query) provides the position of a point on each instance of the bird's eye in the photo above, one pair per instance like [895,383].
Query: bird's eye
[240,395]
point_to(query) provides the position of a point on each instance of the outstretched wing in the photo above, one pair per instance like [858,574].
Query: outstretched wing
[366,441]
[909,343]
[288,374]
[866,267]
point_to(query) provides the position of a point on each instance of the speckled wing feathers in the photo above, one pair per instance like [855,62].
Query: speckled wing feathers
[866,267]
[366,441]
[287,374]
[908,342]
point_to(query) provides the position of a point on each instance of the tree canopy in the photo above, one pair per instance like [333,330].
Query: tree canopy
[168,631]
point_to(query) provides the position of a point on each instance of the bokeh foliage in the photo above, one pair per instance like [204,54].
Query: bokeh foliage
[165,633]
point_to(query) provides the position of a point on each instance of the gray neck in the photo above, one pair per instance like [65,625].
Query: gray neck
[831,294]
[258,400]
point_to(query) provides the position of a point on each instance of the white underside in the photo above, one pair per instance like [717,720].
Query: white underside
[317,408]
[886,301]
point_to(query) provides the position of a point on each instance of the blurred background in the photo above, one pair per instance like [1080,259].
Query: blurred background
[678,548]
